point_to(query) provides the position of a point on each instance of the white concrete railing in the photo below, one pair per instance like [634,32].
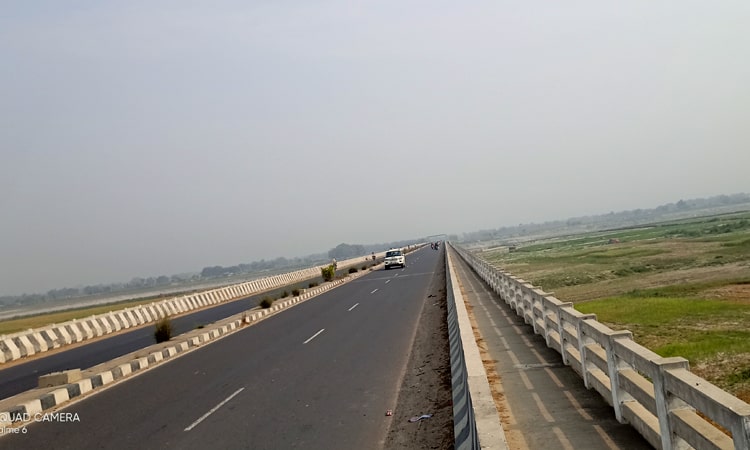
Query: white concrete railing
[670,406]
[30,342]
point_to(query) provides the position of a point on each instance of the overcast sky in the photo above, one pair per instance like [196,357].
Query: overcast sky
[144,138]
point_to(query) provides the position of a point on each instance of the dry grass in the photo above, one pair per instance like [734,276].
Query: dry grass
[700,275]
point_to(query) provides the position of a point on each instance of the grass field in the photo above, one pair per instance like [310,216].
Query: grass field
[682,287]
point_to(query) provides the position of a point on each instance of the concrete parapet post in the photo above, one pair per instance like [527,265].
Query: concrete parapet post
[106,322]
[583,341]
[666,402]
[613,367]
[136,313]
[53,341]
[9,349]
[145,311]
[113,321]
[125,321]
[94,326]
[39,343]
[561,330]
[86,331]
[156,311]
[73,331]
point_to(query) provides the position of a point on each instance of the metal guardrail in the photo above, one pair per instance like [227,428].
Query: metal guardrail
[667,404]
[464,424]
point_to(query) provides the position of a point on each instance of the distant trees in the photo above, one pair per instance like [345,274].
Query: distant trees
[346,251]
[612,219]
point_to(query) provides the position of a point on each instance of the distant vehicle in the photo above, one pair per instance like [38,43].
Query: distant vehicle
[394,257]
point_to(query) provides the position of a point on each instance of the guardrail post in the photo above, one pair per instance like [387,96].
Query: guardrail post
[613,367]
[583,340]
[561,330]
[666,402]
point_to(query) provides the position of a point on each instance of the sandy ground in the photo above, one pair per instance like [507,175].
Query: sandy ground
[426,387]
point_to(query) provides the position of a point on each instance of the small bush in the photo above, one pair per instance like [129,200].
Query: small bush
[163,330]
[364,267]
[295,292]
[266,302]
[352,270]
[328,273]
[284,294]
[312,284]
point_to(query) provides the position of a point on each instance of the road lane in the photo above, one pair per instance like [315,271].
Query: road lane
[329,393]
[24,376]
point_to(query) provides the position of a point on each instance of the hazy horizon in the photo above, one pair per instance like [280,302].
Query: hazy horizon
[155,138]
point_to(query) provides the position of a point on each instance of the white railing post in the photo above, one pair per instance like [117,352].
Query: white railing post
[666,402]
[613,367]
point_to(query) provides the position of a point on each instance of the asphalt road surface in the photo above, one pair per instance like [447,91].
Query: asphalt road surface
[319,375]
[21,377]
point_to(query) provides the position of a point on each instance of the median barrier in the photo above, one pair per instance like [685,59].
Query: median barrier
[668,405]
[476,422]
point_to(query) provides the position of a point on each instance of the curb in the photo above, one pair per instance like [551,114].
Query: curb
[476,421]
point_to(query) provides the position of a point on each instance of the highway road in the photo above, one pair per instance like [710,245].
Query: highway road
[24,376]
[319,375]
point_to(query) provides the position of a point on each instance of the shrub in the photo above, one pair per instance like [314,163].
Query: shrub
[312,284]
[328,273]
[352,270]
[266,302]
[163,330]
[295,292]
[284,294]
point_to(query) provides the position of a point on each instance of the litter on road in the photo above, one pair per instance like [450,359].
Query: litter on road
[418,418]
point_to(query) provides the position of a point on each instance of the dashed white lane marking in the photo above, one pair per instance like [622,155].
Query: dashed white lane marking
[387,281]
[526,381]
[610,443]
[314,336]
[539,356]
[374,291]
[213,410]
[554,377]
[355,305]
[543,409]
[577,406]
[563,440]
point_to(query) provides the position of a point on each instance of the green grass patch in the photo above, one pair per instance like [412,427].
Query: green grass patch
[656,311]
[685,289]
[695,345]
[692,328]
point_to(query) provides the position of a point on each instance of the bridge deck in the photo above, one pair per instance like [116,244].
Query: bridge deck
[542,402]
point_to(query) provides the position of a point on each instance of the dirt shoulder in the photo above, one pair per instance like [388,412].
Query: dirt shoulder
[426,387]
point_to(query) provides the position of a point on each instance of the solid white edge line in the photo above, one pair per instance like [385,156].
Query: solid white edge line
[213,410]
[314,335]
[355,305]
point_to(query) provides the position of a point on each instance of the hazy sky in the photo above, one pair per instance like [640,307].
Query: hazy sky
[143,138]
